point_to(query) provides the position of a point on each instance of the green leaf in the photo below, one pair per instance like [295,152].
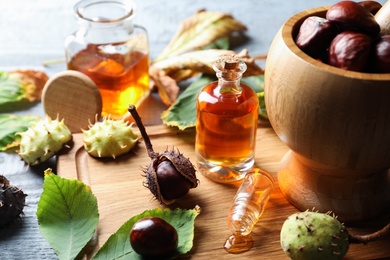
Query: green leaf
[221,44]
[10,89]
[199,30]
[262,107]
[19,89]
[14,93]
[182,113]
[10,125]
[67,214]
[118,245]
[257,84]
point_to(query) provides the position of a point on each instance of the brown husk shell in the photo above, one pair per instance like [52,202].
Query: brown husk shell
[182,164]
[12,200]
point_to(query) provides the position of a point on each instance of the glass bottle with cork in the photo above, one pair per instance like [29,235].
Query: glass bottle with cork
[112,51]
[226,123]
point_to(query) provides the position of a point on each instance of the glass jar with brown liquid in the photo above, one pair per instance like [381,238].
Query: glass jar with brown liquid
[226,124]
[112,51]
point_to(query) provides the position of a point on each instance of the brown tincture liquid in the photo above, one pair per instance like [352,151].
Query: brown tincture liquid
[248,206]
[226,124]
[225,128]
[238,244]
[121,79]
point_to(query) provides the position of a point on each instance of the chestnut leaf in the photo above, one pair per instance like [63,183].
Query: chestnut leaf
[199,30]
[166,74]
[67,214]
[118,245]
[182,113]
[20,88]
[191,64]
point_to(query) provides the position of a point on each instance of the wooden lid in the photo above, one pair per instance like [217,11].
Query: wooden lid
[73,96]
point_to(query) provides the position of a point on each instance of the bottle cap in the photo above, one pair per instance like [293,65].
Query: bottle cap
[230,62]
[229,67]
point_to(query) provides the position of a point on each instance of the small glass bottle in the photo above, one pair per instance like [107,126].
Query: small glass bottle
[226,123]
[112,51]
[248,206]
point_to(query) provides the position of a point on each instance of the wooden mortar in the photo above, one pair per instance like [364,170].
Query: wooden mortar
[337,125]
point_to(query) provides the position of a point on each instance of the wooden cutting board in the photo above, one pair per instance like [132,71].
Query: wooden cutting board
[118,186]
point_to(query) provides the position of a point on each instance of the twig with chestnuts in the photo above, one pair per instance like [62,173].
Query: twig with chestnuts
[170,175]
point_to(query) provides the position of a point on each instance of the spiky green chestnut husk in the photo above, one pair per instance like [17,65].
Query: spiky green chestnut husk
[109,138]
[12,201]
[313,235]
[43,140]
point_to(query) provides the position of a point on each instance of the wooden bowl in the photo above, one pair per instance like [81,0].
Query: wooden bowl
[337,125]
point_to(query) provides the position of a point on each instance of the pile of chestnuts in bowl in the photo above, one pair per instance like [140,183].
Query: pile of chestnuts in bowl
[327,89]
[348,37]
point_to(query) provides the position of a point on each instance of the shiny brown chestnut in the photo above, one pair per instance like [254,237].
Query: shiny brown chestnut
[351,16]
[350,51]
[153,237]
[337,110]
[370,5]
[315,35]
[169,175]
[172,183]
[381,55]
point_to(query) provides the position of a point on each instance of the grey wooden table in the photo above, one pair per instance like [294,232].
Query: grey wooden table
[32,32]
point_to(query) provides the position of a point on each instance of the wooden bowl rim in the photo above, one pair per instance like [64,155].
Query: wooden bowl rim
[290,27]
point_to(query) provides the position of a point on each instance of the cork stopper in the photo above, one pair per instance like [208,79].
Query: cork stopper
[230,62]
[229,67]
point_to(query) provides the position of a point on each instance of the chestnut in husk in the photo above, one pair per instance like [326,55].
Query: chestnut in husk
[170,175]
[153,237]
[172,183]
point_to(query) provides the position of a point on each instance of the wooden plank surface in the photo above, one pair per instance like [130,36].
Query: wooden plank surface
[118,186]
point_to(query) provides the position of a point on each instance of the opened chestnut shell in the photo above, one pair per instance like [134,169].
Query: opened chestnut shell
[170,176]
[12,202]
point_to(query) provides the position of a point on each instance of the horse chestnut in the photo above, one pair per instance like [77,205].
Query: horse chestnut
[350,51]
[169,175]
[381,56]
[351,16]
[153,237]
[172,183]
[371,6]
[315,35]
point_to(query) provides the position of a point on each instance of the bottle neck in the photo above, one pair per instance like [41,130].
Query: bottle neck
[229,70]
[104,13]
[104,21]
[229,86]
